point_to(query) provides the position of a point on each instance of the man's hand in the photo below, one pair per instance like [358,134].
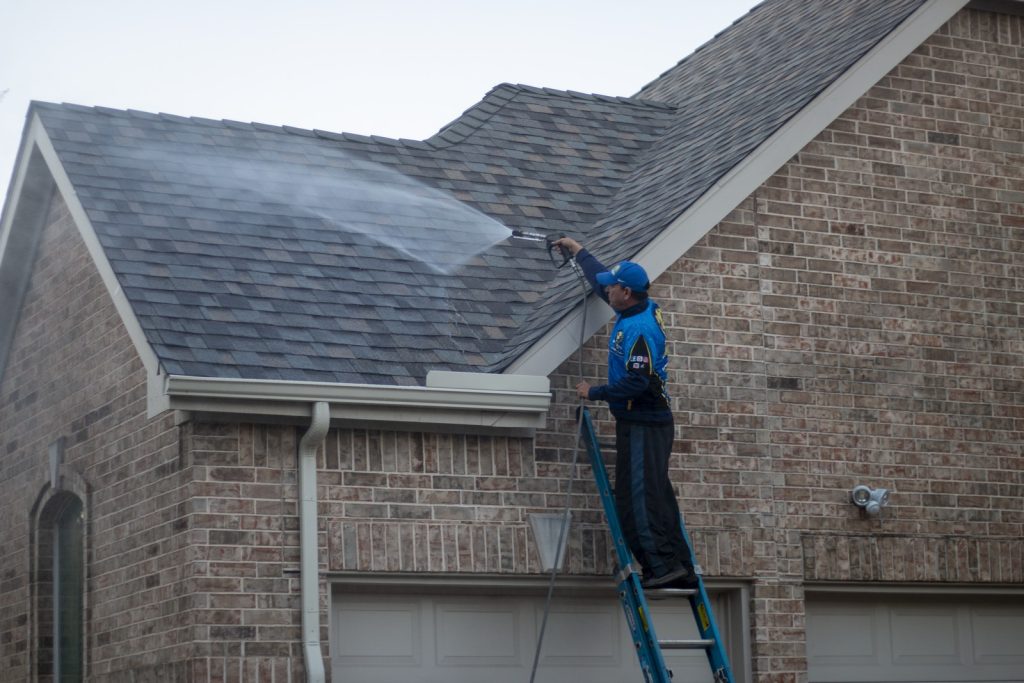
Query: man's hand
[569,244]
[583,389]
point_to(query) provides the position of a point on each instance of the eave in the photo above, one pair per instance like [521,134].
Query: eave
[478,401]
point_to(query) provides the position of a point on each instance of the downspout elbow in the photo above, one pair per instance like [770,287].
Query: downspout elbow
[309,561]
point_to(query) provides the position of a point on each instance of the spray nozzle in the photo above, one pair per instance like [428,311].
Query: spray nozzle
[549,242]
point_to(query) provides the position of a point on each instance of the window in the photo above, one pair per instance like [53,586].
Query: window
[59,589]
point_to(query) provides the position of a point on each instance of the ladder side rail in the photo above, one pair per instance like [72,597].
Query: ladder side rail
[607,497]
[705,618]
[631,594]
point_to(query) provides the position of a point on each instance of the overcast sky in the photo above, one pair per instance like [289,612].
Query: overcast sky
[398,68]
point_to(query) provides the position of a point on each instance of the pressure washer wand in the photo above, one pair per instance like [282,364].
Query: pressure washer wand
[529,236]
[548,240]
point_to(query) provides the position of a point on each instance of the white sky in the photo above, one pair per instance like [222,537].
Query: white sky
[398,68]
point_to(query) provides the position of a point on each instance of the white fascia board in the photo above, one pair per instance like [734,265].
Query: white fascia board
[563,340]
[15,255]
[445,379]
[471,399]
[14,194]
[715,204]
[41,140]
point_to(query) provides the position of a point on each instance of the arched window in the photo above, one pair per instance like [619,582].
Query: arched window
[60,588]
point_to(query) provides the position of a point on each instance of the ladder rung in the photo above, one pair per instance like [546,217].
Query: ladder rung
[667,593]
[702,644]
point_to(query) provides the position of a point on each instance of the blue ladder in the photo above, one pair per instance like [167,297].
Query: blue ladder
[631,593]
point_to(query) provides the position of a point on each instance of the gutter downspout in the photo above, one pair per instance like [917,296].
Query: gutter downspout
[308,546]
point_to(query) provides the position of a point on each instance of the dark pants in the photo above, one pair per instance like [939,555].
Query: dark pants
[644,499]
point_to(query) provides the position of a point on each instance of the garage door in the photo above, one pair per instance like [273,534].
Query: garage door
[491,639]
[949,638]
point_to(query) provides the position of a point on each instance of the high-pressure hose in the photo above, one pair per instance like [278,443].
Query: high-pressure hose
[563,530]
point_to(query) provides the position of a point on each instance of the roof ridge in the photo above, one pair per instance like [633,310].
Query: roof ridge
[232,123]
[472,119]
[500,95]
[575,94]
[455,131]
[700,48]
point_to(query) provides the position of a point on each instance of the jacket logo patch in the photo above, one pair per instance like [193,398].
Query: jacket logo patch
[617,342]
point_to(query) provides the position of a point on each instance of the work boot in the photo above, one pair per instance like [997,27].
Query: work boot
[679,577]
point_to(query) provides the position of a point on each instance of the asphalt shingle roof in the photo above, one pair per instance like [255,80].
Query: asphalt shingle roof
[277,253]
[270,252]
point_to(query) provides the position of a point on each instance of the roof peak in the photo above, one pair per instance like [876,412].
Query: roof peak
[575,94]
[500,95]
[700,48]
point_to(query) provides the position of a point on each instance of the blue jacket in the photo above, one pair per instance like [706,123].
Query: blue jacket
[637,365]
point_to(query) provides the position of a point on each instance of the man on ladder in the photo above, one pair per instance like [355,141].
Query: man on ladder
[637,396]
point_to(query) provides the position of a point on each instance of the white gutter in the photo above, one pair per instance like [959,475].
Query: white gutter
[309,561]
[715,204]
[480,400]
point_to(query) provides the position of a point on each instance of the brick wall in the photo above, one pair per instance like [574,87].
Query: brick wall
[858,319]
[452,503]
[244,552]
[73,373]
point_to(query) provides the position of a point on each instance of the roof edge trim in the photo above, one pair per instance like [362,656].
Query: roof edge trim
[21,225]
[38,157]
[65,188]
[476,117]
[709,209]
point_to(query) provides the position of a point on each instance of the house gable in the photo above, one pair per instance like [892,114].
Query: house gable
[40,180]
[73,418]
[67,323]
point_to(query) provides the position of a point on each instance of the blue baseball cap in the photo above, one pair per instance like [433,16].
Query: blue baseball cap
[627,274]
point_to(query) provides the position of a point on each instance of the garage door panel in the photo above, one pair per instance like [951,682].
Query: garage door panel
[912,639]
[846,637]
[925,636]
[585,636]
[998,636]
[468,634]
[359,623]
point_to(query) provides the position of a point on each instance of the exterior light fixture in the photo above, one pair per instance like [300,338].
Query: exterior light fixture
[870,500]
[550,529]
